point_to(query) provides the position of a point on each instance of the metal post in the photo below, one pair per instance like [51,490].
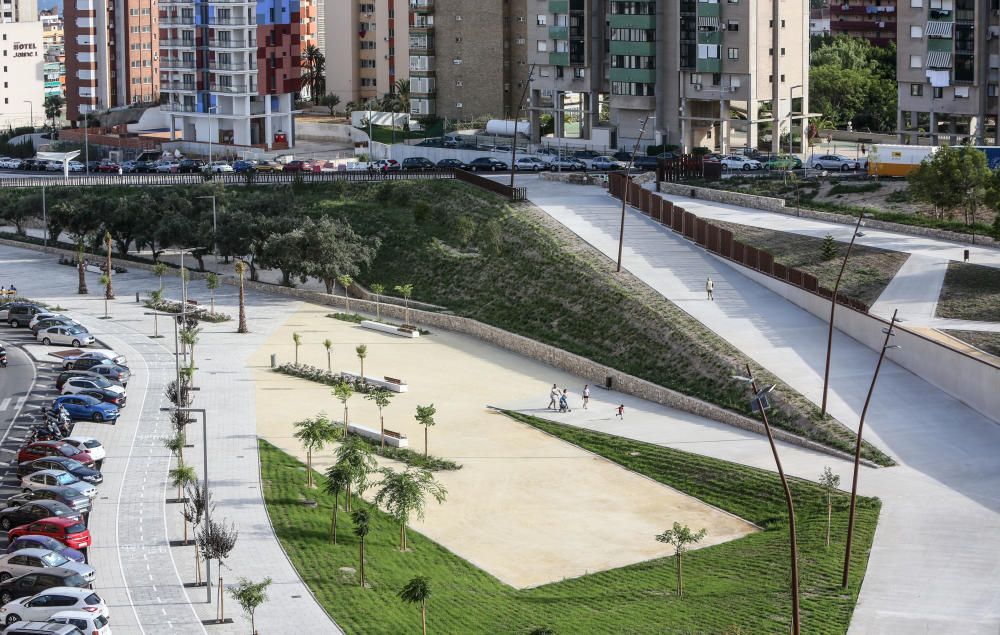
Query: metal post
[205,491]
[520,106]
[45,222]
[31,110]
[86,145]
[857,448]
[833,308]
[626,183]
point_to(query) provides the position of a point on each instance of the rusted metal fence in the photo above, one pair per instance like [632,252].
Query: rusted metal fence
[513,193]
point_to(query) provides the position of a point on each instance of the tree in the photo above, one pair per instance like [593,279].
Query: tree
[80,267]
[362,352]
[241,268]
[330,101]
[378,289]
[956,177]
[381,397]
[327,344]
[828,249]
[284,252]
[175,444]
[106,281]
[160,270]
[298,342]
[212,282]
[346,281]
[405,290]
[403,494]
[313,434]
[217,541]
[416,591]
[188,336]
[355,455]
[180,477]
[109,292]
[830,482]
[314,72]
[401,95]
[250,595]
[338,479]
[680,537]
[343,392]
[53,108]
[197,503]
[332,249]
[850,80]
[425,417]
[362,525]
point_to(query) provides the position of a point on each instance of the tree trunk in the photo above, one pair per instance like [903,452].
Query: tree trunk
[680,568]
[109,291]
[328,363]
[829,518]
[328,283]
[333,519]
[243,313]
[197,565]
[222,610]
[309,467]
[362,546]
[425,441]
[345,420]
[213,300]
[378,307]
[185,524]
[381,428]
[286,279]
[82,285]
[347,499]
[362,371]
[423,616]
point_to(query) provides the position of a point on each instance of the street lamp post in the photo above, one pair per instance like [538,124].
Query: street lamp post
[625,183]
[86,143]
[211,130]
[833,309]
[31,110]
[759,398]
[857,445]
[215,251]
[45,222]
[520,107]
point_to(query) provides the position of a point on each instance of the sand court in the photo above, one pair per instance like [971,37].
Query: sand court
[525,507]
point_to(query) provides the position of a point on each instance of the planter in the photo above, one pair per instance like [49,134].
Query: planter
[391,329]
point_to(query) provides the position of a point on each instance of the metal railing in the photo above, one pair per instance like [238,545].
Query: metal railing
[233,89]
[238,20]
[231,44]
[169,20]
[171,107]
[166,62]
[229,178]
[180,86]
[232,66]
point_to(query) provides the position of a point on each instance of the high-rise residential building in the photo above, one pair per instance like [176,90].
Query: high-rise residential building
[700,67]
[111,54]
[22,92]
[873,20]
[230,69]
[468,59]
[55,52]
[367,47]
[18,10]
[946,69]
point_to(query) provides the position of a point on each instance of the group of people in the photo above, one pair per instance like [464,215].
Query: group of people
[559,400]
[4,291]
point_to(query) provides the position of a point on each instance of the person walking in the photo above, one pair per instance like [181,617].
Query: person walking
[564,401]
[553,398]
[621,411]
[710,288]
[586,395]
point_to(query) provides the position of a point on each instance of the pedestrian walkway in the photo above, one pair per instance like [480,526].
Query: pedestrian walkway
[921,577]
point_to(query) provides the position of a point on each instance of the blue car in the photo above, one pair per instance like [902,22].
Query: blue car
[85,407]
[35,541]
[244,166]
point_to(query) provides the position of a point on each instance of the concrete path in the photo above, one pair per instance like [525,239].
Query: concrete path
[140,574]
[922,578]
[914,290]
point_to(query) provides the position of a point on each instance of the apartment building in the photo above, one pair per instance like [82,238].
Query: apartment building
[55,54]
[467,59]
[111,54]
[700,67]
[872,20]
[18,10]
[946,68]
[367,47]
[229,70]
[22,93]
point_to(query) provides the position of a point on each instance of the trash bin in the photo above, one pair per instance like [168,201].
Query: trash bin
[274,360]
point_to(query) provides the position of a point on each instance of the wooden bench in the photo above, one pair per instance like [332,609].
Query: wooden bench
[395,385]
[395,439]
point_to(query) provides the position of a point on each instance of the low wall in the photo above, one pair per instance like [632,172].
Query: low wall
[777,205]
[333,132]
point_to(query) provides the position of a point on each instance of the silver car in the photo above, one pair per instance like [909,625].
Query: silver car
[44,479]
[65,335]
[28,560]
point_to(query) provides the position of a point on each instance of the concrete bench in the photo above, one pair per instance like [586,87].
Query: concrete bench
[393,439]
[390,328]
[395,385]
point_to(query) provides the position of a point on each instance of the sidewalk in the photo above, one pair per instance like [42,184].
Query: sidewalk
[920,578]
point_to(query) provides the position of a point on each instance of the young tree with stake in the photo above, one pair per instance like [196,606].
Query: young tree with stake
[298,342]
[405,290]
[327,344]
[343,392]
[680,537]
[381,397]
[313,434]
[338,479]
[425,417]
[378,289]
[362,351]
[217,541]
[355,455]
[106,281]
[403,494]
[346,281]
[160,270]
[362,525]
[241,268]
[212,282]
[250,595]
[198,502]
[830,482]
[417,591]
[109,292]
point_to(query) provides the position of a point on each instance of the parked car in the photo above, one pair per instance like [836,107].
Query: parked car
[66,495]
[606,163]
[75,385]
[19,315]
[98,354]
[738,162]
[32,511]
[128,167]
[82,407]
[90,445]
[40,449]
[56,478]
[76,166]
[566,164]
[487,163]
[54,166]
[40,316]
[112,372]
[143,167]
[646,163]
[530,164]
[454,164]
[35,541]
[108,166]
[418,163]
[66,464]
[41,628]
[28,560]
[55,321]
[190,166]
[298,166]
[268,166]
[35,582]
[92,166]
[324,167]
[386,165]
[71,533]
[14,164]
[89,623]
[54,600]
[167,167]
[86,363]
[65,335]
[834,162]
[219,167]
[783,162]
[67,374]
[244,166]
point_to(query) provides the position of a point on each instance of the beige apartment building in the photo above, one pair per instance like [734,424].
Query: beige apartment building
[18,10]
[366,44]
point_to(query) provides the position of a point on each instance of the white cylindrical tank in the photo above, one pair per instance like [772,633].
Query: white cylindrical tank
[507,127]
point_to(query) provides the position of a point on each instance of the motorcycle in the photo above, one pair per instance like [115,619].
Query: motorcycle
[3,357]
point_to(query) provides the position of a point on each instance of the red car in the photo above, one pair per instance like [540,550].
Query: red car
[69,531]
[108,167]
[40,449]
[298,166]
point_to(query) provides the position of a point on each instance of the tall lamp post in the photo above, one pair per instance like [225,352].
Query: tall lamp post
[625,183]
[520,107]
[833,308]
[31,110]
[215,251]
[760,398]
[857,444]
[211,131]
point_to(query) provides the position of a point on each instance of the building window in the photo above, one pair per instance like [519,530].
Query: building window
[917,4]
[961,92]
[916,90]
[542,46]
[938,93]
[732,25]
[541,19]
[915,61]
[734,54]
[991,90]
[916,31]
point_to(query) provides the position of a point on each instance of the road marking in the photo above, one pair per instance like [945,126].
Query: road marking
[4,403]
[21,400]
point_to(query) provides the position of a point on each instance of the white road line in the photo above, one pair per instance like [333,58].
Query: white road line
[4,403]
[21,400]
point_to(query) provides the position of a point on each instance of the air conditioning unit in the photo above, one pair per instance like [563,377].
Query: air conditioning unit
[697,88]
[734,83]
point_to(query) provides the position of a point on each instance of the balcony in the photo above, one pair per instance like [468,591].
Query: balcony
[236,20]
[176,20]
[178,107]
[234,89]
[169,43]
[232,67]
[422,6]
[181,64]
[190,2]
[232,2]
[214,43]
[559,59]
[559,32]
[179,87]
[421,47]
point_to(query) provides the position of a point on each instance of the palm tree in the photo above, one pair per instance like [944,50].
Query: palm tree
[378,289]
[180,477]
[362,525]
[109,292]
[346,281]
[405,290]
[356,456]
[327,344]
[106,281]
[381,397]
[80,267]
[425,417]
[241,268]
[314,434]
[343,392]
[160,270]
[212,282]
[176,445]
[189,337]
[402,494]
[338,479]
[362,351]
[401,94]
[314,72]
[417,591]
[298,342]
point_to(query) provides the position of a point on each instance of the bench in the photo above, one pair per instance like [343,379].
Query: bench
[402,331]
[395,439]
[395,385]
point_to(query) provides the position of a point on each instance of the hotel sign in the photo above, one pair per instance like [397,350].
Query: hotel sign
[25,49]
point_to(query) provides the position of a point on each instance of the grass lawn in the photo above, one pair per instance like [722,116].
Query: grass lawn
[983,340]
[970,292]
[738,587]
[384,134]
[868,271]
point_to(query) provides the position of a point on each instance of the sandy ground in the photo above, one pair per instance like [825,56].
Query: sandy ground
[525,507]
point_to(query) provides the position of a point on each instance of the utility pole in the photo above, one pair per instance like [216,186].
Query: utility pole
[520,106]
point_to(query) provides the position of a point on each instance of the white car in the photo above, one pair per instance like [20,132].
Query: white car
[38,317]
[90,445]
[27,560]
[167,166]
[531,164]
[96,354]
[45,479]
[89,623]
[78,384]
[834,162]
[76,166]
[54,166]
[42,606]
[221,166]
[65,335]
[12,164]
[736,162]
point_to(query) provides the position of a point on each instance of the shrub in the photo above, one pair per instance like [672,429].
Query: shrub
[197,312]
